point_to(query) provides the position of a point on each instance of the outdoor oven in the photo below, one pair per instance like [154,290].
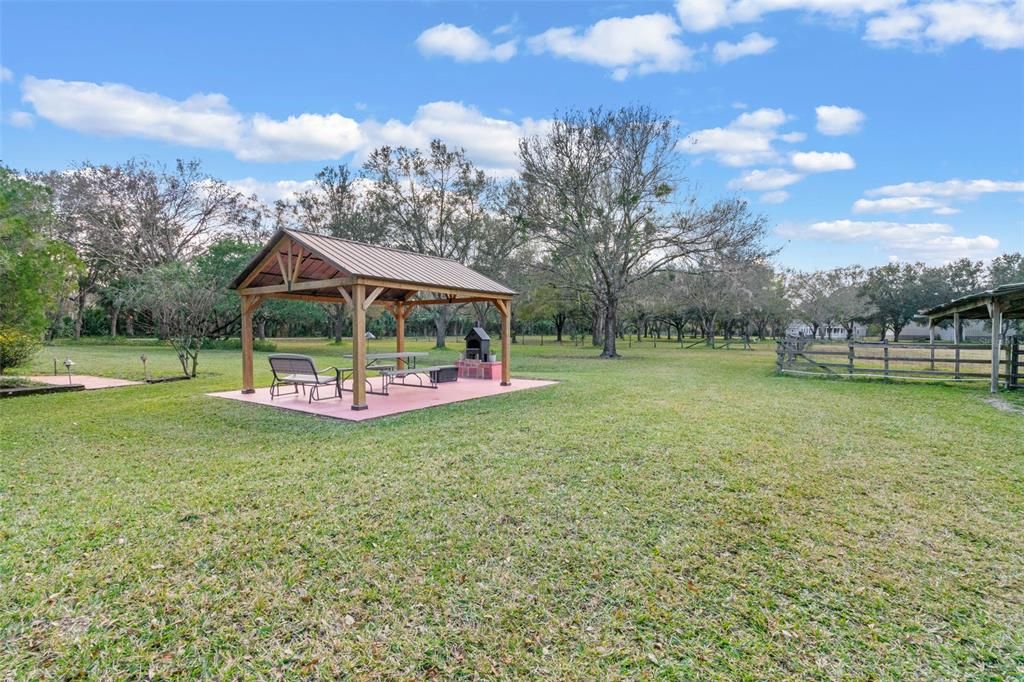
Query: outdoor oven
[478,344]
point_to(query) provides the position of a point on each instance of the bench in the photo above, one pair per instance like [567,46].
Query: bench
[433,375]
[299,371]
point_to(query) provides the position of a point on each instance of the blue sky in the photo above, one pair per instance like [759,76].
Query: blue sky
[866,130]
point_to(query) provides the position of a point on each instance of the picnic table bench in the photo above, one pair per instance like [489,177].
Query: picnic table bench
[433,375]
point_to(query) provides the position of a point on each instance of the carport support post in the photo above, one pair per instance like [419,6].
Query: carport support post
[996,313]
[249,304]
[400,333]
[358,347]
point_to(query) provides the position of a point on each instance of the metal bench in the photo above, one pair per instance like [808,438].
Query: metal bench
[299,371]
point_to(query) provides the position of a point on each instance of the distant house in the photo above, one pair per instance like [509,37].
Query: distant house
[835,332]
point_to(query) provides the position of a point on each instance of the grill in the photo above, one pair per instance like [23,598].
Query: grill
[478,344]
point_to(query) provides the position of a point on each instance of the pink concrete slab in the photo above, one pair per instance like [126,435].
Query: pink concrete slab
[90,382]
[401,399]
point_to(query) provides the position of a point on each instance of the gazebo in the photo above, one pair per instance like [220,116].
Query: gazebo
[304,266]
[1003,302]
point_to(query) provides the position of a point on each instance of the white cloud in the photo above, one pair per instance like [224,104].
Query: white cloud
[208,121]
[21,119]
[821,162]
[761,180]
[776,197]
[793,137]
[462,44]
[6,75]
[833,120]
[492,143]
[896,205]
[918,241]
[746,141]
[929,195]
[637,45]
[272,190]
[706,15]
[752,44]
[955,189]
[995,24]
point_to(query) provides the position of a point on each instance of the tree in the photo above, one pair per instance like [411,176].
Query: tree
[436,203]
[895,292]
[33,267]
[601,191]
[183,303]
[122,220]
[1006,269]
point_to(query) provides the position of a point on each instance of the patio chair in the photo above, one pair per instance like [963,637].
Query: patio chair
[299,371]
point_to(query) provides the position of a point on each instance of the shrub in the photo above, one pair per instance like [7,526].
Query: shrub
[236,344]
[16,347]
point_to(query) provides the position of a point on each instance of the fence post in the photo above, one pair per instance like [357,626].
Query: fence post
[779,351]
[956,361]
[1014,369]
[850,356]
[885,357]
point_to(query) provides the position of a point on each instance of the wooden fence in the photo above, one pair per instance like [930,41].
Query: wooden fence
[937,362]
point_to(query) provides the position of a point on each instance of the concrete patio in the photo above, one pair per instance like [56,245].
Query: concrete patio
[90,382]
[402,398]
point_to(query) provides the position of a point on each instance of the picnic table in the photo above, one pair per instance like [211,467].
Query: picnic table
[391,374]
[379,362]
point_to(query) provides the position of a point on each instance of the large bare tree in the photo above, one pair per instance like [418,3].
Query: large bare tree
[603,190]
[435,202]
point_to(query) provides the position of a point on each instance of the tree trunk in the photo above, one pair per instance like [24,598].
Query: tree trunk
[261,329]
[129,325]
[114,314]
[81,312]
[609,332]
[595,329]
[442,316]
[339,319]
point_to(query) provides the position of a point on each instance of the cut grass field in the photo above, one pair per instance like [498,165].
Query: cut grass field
[674,514]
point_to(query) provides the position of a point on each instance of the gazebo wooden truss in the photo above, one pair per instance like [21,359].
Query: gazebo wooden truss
[305,266]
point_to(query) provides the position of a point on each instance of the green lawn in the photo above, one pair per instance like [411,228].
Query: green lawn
[674,514]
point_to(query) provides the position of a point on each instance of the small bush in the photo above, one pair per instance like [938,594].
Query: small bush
[236,344]
[16,347]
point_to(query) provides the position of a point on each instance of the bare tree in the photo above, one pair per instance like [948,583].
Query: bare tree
[602,191]
[436,203]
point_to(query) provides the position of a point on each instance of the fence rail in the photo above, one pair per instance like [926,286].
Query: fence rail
[935,362]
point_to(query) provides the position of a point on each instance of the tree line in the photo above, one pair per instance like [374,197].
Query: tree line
[601,232]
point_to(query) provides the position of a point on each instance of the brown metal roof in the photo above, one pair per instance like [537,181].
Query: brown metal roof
[975,306]
[330,257]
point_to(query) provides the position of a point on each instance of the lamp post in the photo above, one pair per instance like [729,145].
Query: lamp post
[145,370]
[69,364]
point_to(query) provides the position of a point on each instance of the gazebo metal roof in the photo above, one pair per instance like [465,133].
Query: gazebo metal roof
[1010,298]
[317,265]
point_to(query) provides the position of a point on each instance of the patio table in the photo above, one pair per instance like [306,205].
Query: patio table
[377,360]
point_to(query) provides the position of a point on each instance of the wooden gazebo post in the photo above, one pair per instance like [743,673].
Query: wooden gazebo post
[506,341]
[249,306]
[358,347]
[400,332]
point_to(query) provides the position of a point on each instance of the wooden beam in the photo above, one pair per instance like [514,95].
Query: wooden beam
[996,313]
[372,297]
[506,341]
[451,301]
[347,296]
[308,285]
[299,260]
[358,347]
[248,306]
[327,300]
[399,313]
[412,286]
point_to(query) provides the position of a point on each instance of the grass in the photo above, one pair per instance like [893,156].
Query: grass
[675,514]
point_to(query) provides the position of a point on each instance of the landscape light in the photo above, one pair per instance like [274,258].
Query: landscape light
[69,364]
